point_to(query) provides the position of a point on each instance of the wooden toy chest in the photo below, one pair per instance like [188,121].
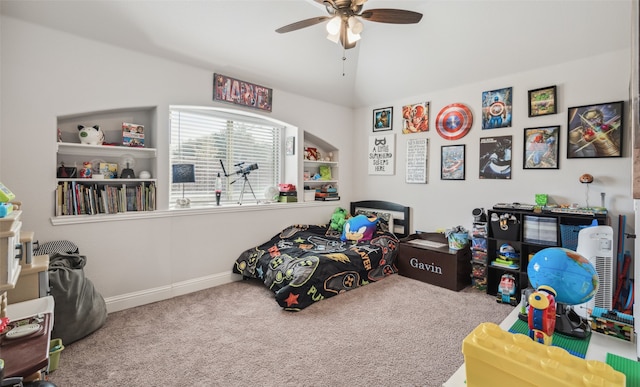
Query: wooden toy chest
[435,264]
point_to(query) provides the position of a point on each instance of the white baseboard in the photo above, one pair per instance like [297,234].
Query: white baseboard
[147,296]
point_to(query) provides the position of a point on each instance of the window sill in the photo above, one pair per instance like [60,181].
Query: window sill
[193,211]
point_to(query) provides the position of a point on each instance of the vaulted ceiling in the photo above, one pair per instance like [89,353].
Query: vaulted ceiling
[457,42]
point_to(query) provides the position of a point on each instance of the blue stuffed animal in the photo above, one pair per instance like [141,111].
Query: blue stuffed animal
[359,228]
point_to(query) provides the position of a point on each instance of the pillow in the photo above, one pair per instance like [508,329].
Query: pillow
[385,219]
[359,228]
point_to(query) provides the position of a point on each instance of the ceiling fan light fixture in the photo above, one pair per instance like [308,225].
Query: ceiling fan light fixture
[355,25]
[352,37]
[335,38]
[333,26]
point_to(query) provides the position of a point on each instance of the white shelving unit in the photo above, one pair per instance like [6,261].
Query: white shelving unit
[71,153]
[72,149]
[312,167]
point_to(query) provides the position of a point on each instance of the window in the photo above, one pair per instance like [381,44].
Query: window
[248,146]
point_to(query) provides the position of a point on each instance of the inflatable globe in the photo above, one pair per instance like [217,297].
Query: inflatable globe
[571,275]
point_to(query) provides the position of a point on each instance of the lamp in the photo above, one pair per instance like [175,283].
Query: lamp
[586,179]
[183,173]
[347,30]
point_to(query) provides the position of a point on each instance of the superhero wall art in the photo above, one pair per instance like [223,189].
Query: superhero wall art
[595,130]
[496,108]
[495,157]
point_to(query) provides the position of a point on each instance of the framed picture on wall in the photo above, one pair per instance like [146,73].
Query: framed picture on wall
[290,145]
[541,146]
[417,156]
[496,108]
[415,118]
[595,131]
[452,162]
[383,119]
[495,157]
[382,156]
[542,101]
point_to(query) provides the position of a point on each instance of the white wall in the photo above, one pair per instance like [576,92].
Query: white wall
[46,74]
[443,204]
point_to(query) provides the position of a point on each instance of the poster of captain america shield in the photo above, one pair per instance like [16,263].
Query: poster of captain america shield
[454,121]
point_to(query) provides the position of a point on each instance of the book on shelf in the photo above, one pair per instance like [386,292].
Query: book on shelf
[327,189]
[132,135]
[109,170]
[327,198]
[79,198]
[287,199]
[506,264]
[326,194]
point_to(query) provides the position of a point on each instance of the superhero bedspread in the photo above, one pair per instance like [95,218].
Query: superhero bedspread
[308,263]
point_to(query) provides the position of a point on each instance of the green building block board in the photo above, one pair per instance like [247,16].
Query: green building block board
[575,346]
[628,367]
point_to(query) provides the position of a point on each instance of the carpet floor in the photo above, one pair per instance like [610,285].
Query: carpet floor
[398,331]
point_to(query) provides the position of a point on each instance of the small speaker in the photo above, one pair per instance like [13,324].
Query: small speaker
[479,215]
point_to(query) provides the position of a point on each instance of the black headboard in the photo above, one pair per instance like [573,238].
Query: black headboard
[402,226]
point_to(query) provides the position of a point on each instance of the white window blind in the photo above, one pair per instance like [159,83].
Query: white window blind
[205,136]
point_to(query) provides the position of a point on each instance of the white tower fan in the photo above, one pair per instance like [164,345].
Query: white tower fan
[596,244]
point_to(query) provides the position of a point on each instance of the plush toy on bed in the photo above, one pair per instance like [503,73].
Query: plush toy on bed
[338,219]
[359,228]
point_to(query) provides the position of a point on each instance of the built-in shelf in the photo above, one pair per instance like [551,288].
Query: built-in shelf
[106,197]
[73,149]
[113,181]
[312,167]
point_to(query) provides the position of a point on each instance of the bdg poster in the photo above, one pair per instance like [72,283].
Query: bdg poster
[382,154]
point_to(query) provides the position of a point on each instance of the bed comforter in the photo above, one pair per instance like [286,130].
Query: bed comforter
[304,264]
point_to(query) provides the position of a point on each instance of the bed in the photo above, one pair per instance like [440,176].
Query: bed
[304,264]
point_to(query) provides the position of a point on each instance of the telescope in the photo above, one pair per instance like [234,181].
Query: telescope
[245,170]
[242,171]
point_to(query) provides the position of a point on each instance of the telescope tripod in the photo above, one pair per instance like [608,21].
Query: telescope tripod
[244,184]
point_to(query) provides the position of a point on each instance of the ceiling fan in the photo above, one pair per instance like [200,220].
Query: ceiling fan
[344,24]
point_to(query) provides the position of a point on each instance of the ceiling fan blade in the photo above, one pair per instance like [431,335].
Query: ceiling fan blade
[394,16]
[302,24]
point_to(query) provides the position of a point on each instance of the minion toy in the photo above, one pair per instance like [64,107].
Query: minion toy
[542,314]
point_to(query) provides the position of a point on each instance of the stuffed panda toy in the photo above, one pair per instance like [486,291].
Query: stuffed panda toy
[90,135]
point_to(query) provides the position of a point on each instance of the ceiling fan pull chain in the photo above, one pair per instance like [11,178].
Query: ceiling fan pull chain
[344,58]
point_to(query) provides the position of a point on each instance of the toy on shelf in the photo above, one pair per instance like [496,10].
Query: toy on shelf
[90,135]
[507,257]
[6,198]
[507,290]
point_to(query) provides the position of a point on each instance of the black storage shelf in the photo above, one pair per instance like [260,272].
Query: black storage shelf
[515,234]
